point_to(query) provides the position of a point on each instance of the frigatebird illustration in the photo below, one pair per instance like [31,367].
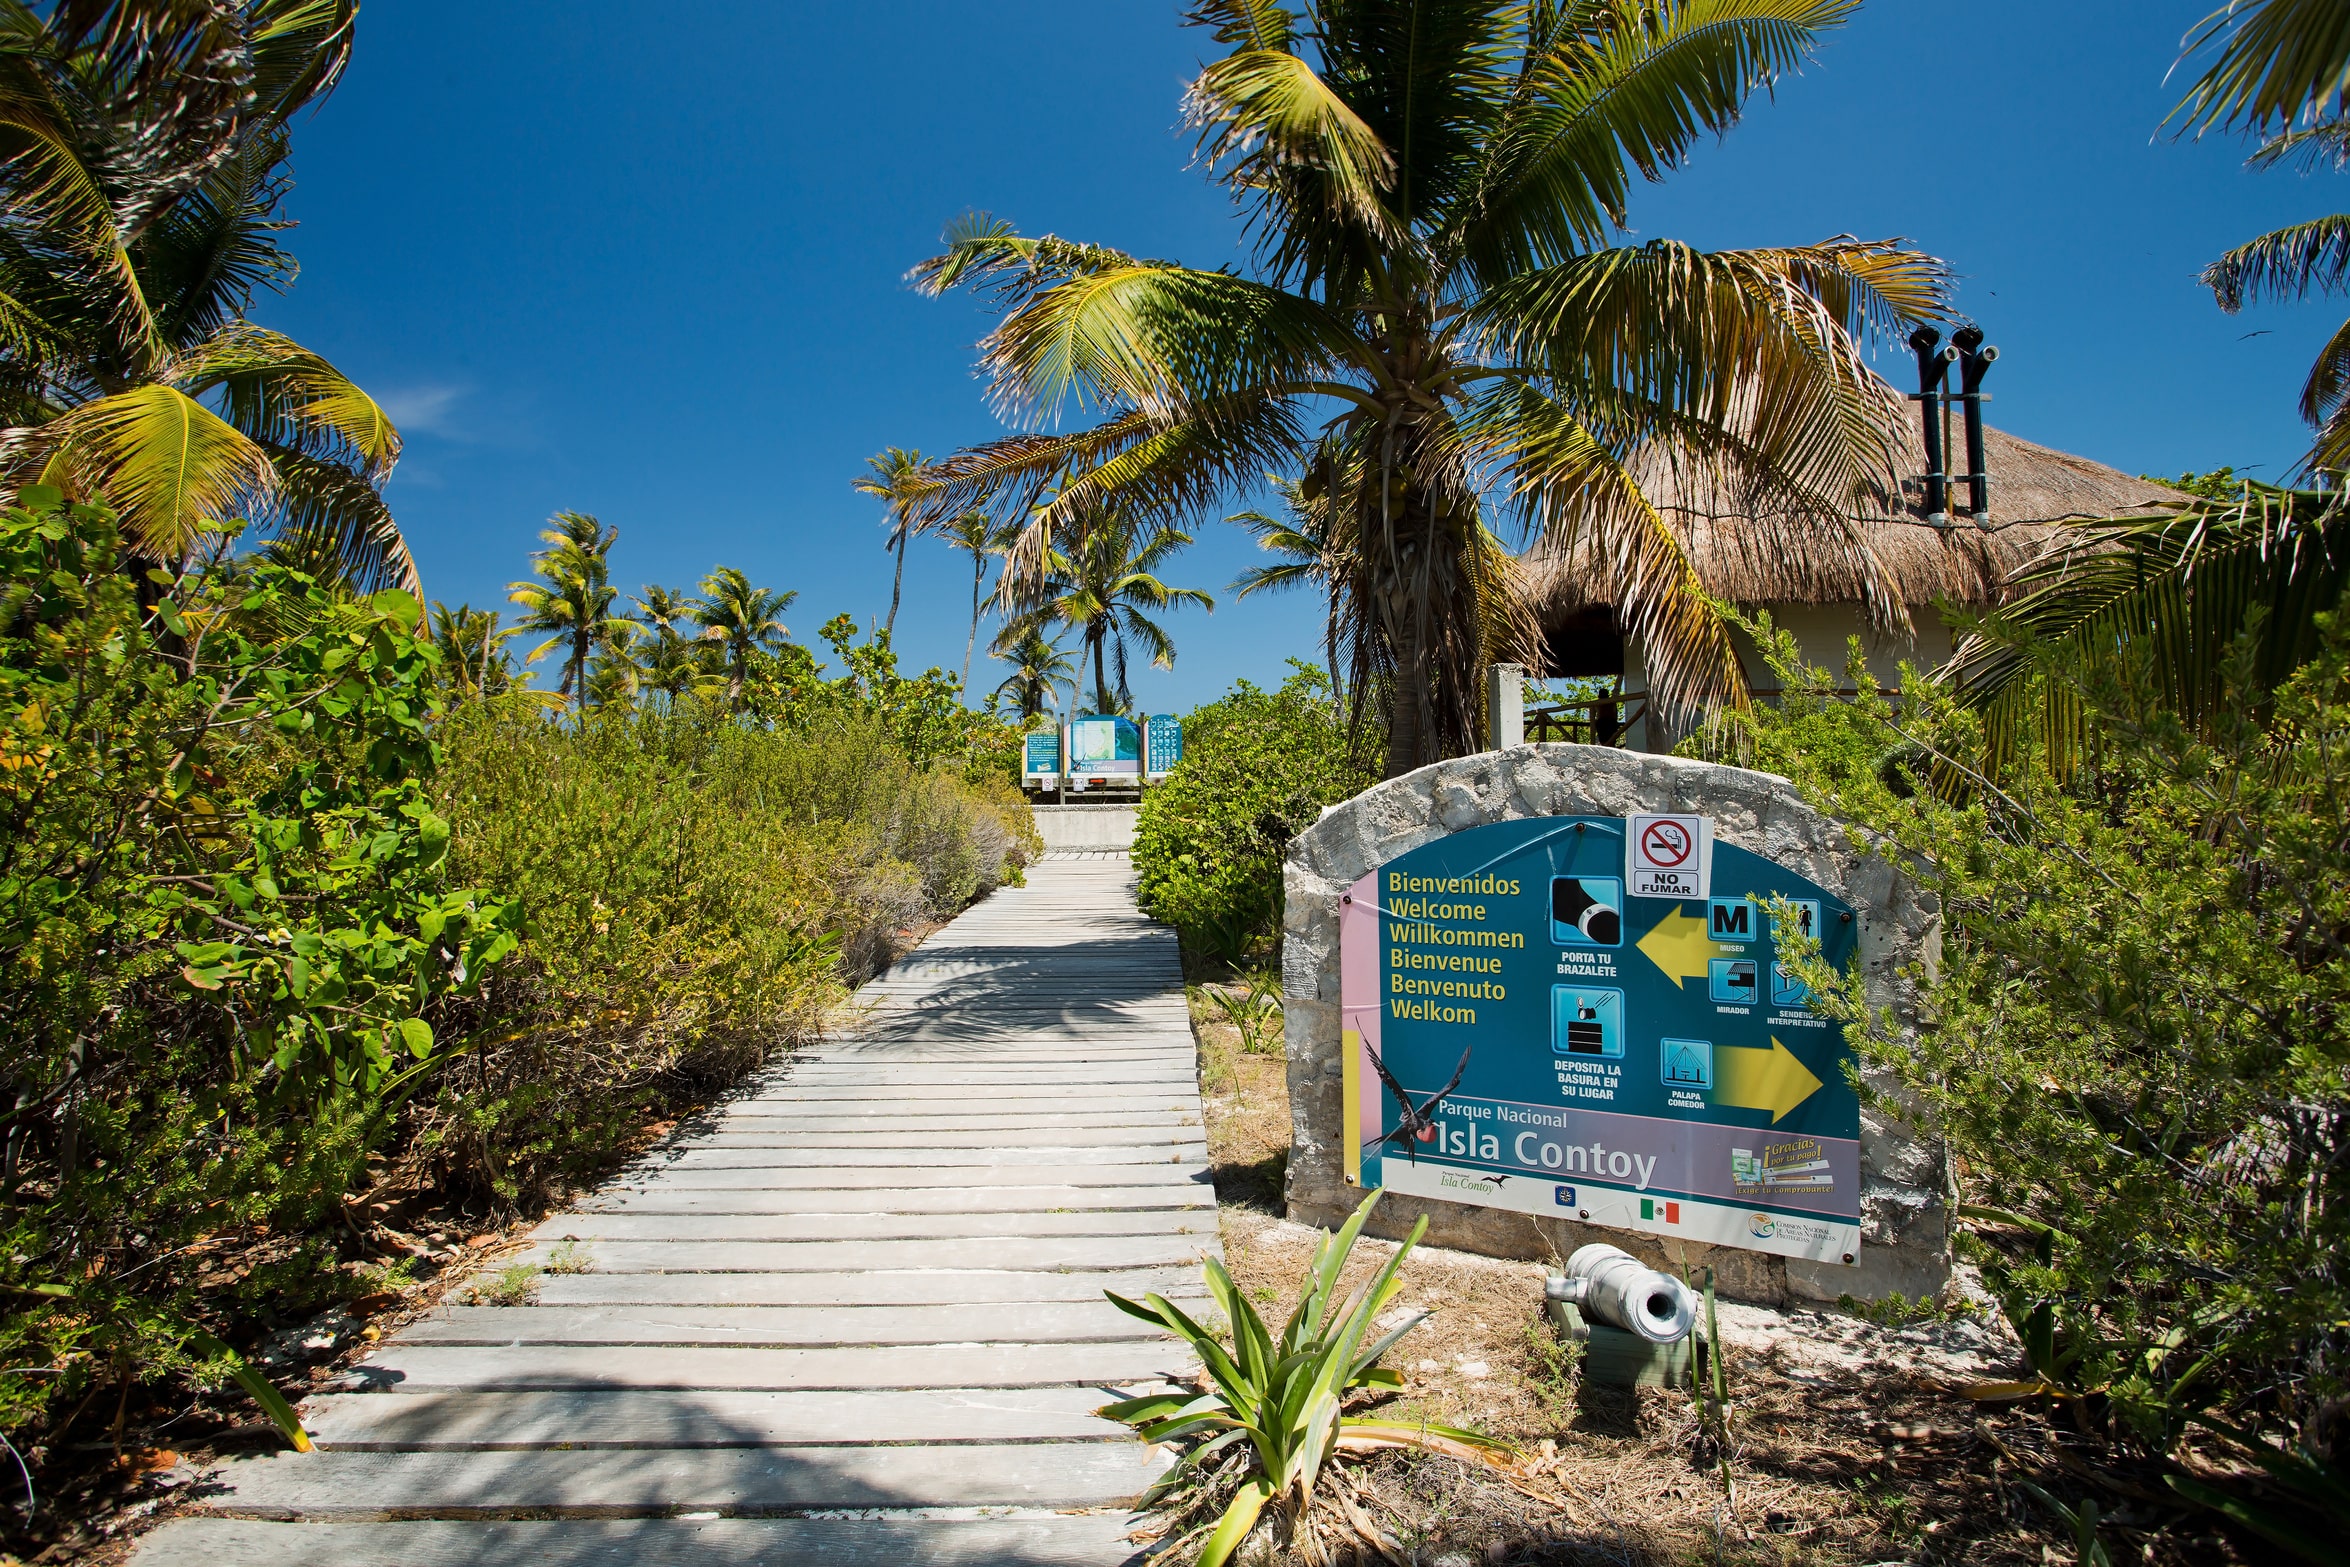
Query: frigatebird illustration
[1417,1123]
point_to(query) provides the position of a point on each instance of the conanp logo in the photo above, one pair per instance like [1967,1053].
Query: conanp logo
[1761,1226]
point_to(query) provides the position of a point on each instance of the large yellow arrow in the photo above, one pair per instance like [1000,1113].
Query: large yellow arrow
[1770,1079]
[1681,947]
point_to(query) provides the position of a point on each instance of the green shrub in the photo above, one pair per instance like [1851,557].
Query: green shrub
[699,893]
[1258,768]
[226,920]
[2135,1041]
[250,976]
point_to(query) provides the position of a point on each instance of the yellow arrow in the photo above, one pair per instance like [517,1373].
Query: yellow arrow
[1680,946]
[1770,1079]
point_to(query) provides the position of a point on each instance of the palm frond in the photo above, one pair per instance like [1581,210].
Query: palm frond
[341,510]
[1583,490]
[2164,598]
[2286,263]
[2278,61]
[1611,91]
[279,391]
[2309,149]
[1263,111]
[169,466]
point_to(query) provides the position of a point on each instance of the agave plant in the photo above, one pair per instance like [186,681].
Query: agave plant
[1272,1413]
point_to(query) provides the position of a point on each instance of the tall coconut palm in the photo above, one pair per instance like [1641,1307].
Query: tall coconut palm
[472,648]
[740,618]
[1100,581]
[903,479]
[143,148]
[1041,672]
[672,662]
[2282,73]
[1435,188]
[572,598]
[979,535]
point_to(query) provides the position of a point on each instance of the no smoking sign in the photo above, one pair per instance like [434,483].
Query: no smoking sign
[1670,856]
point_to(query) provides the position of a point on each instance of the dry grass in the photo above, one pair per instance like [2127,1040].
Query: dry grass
[1848,1445]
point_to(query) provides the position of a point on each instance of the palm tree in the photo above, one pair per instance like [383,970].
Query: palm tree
[1101,584]
[572,598]
[908,484]
[977,533]
[673,663]
[617,674]
[741,618]
[472,646]
[1041,672]
[143,149]
[1434,186]
[2280,75]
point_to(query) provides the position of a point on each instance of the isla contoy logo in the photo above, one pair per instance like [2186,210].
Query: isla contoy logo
[1761,1226]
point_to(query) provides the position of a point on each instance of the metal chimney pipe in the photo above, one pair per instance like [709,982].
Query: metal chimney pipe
[1933,372]
[1975,360]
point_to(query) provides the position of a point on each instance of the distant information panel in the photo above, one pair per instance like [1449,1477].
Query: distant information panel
[1639,1062]
[1163,745]
[1105,747]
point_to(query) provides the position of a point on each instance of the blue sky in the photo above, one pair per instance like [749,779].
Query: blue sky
[649,264]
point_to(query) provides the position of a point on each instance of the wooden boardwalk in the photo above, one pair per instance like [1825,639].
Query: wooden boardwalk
[853,1317]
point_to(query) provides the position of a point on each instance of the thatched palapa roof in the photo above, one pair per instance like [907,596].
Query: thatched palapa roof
[2034,491]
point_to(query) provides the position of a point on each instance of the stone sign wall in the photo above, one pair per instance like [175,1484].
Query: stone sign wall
[1904,1180]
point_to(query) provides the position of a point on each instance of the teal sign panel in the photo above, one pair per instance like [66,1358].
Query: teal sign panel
[1043,758]
[1567,1048]
[1163,745]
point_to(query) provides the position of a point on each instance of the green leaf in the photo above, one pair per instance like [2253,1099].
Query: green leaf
[416,1034]
[272,1402]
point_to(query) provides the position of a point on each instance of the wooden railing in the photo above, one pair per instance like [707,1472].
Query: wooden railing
[1596,720]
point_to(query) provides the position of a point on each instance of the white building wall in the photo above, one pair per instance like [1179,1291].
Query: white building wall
[1821,633]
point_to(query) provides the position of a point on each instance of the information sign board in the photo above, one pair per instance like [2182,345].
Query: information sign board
[1162,745]
[1043,755]
[1105,747]
[1642,1062]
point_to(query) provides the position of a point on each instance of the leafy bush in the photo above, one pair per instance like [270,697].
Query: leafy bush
[922,715]
[699,893]
[2135,1041]
[1258,767]
[225,917]
[251,983]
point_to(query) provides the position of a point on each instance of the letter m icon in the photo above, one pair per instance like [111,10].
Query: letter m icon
[1733,919]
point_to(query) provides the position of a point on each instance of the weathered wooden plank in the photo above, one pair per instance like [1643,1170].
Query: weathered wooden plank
[906,1286]
[995,1107]
[1029,1153]
[1023,1540]
[1173,1092]
[775,1327]
[677,1227]
[1018,1253]
[620,1483]
[1079,1134]
[423,1366]
[426,1422]
[665,1197]
[894,1177]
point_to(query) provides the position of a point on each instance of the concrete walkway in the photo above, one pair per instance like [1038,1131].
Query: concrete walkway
[853,1317]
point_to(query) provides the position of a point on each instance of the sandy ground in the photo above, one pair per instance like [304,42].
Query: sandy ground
[1849,1442]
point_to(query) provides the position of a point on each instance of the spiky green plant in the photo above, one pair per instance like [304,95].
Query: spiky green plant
[1275,1409]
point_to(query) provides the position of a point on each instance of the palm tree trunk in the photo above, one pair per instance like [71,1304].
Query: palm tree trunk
[1101,683]
[978,580]
[579,658]
[898,585]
